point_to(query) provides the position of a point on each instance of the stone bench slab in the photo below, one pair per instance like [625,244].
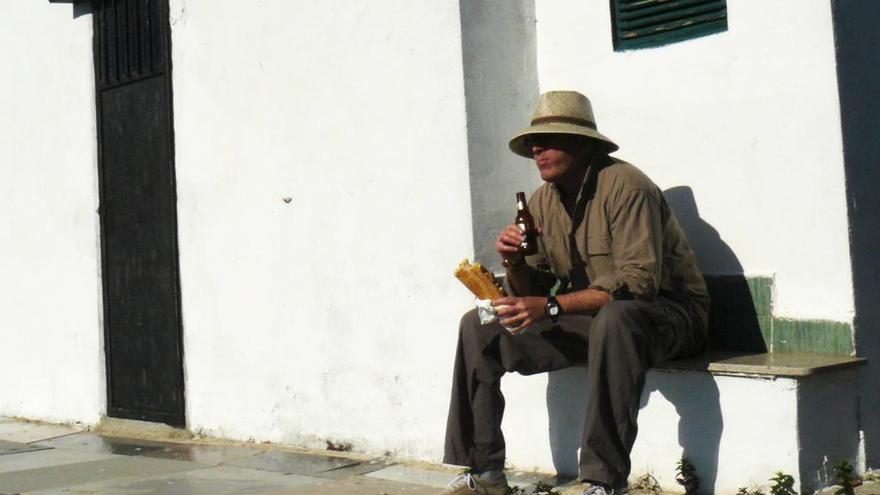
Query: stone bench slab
[791,365]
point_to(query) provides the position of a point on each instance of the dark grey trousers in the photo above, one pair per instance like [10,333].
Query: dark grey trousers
[618,345]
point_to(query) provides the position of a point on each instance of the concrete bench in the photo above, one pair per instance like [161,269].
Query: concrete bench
[737,417]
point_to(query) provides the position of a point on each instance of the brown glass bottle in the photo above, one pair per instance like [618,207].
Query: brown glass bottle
[527,224]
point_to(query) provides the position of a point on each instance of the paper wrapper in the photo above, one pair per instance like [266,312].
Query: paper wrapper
[487,313]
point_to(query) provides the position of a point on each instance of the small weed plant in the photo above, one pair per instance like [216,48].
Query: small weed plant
[782,484]
[754,490]
[845,478]
[543,488]
[647,483]
[686,476]
[540,488]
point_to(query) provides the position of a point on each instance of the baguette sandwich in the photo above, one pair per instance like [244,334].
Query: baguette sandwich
[479,280]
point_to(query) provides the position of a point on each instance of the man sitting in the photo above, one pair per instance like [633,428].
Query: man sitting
[614,286]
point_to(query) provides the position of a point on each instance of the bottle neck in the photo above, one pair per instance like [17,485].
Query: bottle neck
[520,201]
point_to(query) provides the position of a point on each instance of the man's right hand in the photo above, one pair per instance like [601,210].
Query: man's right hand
[509,240]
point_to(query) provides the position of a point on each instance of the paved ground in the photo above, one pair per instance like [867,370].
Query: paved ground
[47,459]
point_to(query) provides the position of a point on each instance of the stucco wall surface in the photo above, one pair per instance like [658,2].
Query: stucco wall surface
[49,271]
[747,120]
[501,87]
[333,316]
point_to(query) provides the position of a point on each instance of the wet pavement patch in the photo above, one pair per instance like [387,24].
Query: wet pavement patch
[294,463]
[89,442]
[17,448]
[205,454]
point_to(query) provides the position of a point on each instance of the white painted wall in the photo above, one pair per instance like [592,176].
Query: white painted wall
[749,119]
[49,272]
[333,316]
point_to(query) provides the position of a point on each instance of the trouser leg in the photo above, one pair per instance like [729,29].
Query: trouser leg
[473,427]
[484,354]
[625,339]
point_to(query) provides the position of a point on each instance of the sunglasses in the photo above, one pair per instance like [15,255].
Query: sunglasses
[555,141]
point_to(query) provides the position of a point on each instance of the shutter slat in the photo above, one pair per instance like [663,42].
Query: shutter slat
[671,7]
[653,5]
[675,16]
[671,26]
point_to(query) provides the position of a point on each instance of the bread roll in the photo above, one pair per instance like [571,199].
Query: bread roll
[479,280]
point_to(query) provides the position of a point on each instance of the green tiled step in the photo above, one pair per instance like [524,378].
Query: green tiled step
[742,319]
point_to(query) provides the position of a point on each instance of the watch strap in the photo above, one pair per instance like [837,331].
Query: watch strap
[552,309]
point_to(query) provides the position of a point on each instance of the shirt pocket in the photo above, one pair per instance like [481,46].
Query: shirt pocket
[599,245]
[599,254]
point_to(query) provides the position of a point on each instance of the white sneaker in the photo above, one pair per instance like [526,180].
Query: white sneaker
[599,490]
[468,484]
[586,488]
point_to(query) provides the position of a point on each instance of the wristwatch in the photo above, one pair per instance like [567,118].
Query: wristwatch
[552,309]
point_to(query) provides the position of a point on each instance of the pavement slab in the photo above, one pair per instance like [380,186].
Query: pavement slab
[86,472]
[218,480]
[17,448]
[417,475]
[439,479]
[45,458]
[358,469]
[359,486]
[14,431]
[293,462]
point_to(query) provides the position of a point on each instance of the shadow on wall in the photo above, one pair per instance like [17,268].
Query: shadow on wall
[858,80]
[700,424]
[713,254]
[734,325]
[696,402]
[733,319]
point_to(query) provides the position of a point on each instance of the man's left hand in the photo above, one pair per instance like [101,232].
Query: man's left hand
[519,312]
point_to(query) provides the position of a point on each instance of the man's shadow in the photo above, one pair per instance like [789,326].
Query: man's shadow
[695,395]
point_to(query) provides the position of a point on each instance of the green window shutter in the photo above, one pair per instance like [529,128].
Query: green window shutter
[649,23]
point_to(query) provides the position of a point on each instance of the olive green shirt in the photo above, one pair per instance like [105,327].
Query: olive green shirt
[628,244]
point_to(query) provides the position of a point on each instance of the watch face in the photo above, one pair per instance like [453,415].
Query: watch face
[554,310]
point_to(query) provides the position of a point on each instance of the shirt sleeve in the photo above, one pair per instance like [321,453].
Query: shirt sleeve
[636,246]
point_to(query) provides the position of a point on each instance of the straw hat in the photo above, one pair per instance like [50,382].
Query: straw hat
[561,112]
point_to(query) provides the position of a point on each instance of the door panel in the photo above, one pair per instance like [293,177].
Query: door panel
[138,212]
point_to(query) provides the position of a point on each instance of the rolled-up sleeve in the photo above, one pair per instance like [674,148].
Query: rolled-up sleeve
[636,228]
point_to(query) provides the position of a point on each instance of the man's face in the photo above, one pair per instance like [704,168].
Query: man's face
[557,155]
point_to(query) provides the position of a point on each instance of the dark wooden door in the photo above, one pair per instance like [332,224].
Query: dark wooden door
[142,323]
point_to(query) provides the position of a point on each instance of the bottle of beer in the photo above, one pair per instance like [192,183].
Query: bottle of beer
[527,224]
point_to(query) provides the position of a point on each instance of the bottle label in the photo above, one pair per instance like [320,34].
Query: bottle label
[524,244]
[520,205]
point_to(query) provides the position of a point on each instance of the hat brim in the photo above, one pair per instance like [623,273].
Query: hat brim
[517,143]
